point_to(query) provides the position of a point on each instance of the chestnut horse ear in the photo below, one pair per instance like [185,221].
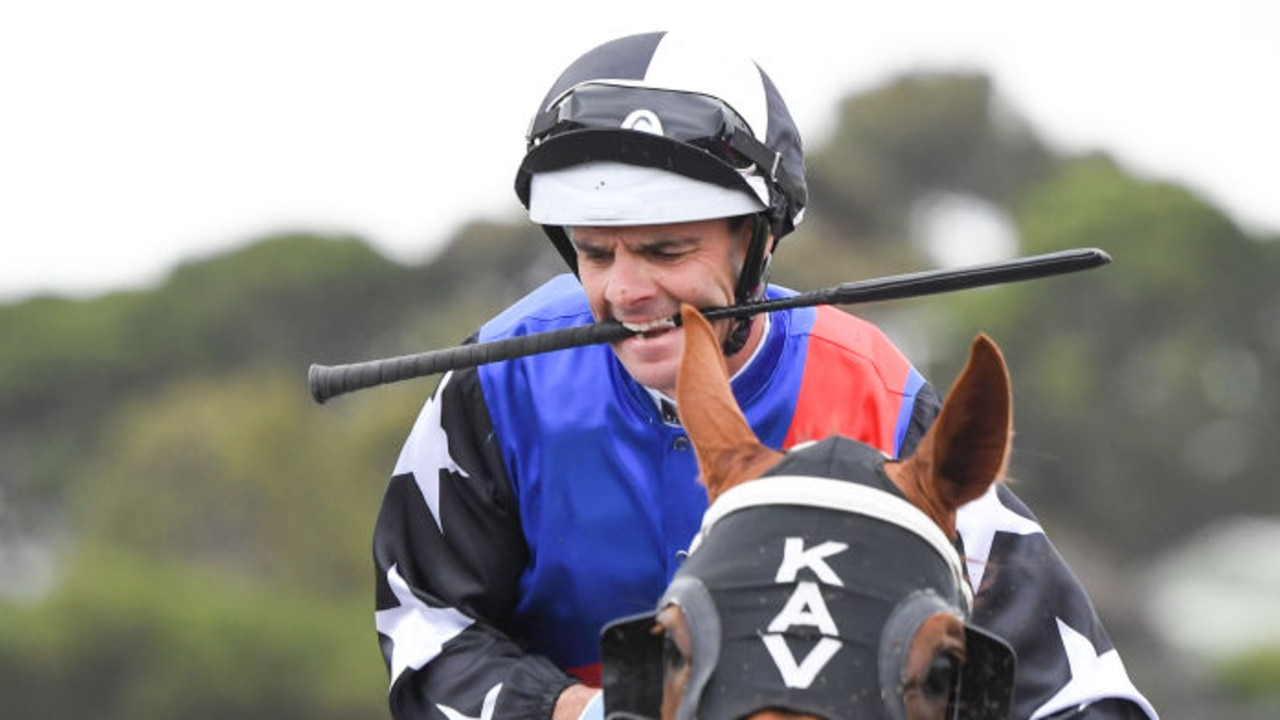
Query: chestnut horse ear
[727,449]
[967,448]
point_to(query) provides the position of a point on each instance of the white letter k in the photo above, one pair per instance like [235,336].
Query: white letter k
[794,557]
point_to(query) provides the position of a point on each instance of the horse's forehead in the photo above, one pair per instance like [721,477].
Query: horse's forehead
[871,535]
[838,458]
[800,596]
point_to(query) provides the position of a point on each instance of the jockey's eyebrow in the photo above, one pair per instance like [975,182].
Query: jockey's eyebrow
[667,244]
[660,244]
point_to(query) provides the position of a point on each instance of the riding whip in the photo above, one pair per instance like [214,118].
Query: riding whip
[328,381]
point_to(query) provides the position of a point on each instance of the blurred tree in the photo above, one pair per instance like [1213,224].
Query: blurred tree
[64,363]
[918,135]
[239,474]
[1151,378]
[128,638]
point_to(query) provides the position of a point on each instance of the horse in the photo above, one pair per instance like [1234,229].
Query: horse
[824,581]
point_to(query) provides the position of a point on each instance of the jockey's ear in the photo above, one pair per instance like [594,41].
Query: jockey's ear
[727,449]
[967,448]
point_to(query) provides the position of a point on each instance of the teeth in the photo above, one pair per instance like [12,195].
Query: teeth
[659,324]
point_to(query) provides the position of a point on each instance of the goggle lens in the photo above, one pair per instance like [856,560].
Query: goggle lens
[699,121]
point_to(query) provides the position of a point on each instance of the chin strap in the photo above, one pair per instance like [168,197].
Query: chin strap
[751,284]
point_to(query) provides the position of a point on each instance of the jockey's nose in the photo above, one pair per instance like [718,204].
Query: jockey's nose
[630,279]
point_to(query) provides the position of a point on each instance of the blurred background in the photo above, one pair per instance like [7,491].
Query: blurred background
[197,203]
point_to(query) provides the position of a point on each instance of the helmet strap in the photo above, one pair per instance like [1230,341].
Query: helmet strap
[751,283]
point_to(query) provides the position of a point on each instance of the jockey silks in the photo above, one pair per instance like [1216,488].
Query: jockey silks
[607,492]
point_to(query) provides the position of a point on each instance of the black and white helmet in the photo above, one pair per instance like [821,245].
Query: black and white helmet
[659,128]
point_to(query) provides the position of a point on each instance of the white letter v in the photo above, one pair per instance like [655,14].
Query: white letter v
[802,675]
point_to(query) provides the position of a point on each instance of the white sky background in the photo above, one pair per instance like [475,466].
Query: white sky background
[137,134]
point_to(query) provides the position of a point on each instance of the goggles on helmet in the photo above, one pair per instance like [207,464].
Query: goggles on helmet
[594,113]
[694,119]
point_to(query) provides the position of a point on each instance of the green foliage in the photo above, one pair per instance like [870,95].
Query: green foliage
[220,522]
[917,135]
[1255,675]
[128,637]
[222,533]
[207,315]
[1128,379]
[64,363]
[242,474]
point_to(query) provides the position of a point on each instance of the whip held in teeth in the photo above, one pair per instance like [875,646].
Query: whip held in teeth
[328,381]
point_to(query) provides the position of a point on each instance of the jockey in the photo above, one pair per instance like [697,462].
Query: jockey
[537,499]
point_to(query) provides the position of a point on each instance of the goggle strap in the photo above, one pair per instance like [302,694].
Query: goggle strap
[769,161]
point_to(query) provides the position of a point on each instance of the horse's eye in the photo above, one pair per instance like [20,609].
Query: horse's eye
[940,677]
[672,658]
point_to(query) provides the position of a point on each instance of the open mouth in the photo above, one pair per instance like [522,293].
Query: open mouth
[652,328]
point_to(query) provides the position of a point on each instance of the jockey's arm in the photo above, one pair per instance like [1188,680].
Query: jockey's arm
[573,701]
[449,552]
[1027,595]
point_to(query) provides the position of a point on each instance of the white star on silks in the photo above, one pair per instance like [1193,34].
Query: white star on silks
[486,711]
[418,631]
[427,453]
[1093,676]
[979,521]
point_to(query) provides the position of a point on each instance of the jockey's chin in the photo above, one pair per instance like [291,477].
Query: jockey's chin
[653,358]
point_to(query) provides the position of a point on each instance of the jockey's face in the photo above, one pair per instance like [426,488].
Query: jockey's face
[640,274]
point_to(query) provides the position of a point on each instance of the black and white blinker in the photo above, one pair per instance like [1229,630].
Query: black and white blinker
[805,593]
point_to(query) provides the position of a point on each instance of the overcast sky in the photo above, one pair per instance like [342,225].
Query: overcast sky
[136,134]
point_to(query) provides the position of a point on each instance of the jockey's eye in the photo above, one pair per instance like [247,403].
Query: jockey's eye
[672,658]
[940,677]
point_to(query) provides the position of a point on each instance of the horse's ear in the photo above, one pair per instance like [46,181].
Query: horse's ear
[728,451]
[967,448]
